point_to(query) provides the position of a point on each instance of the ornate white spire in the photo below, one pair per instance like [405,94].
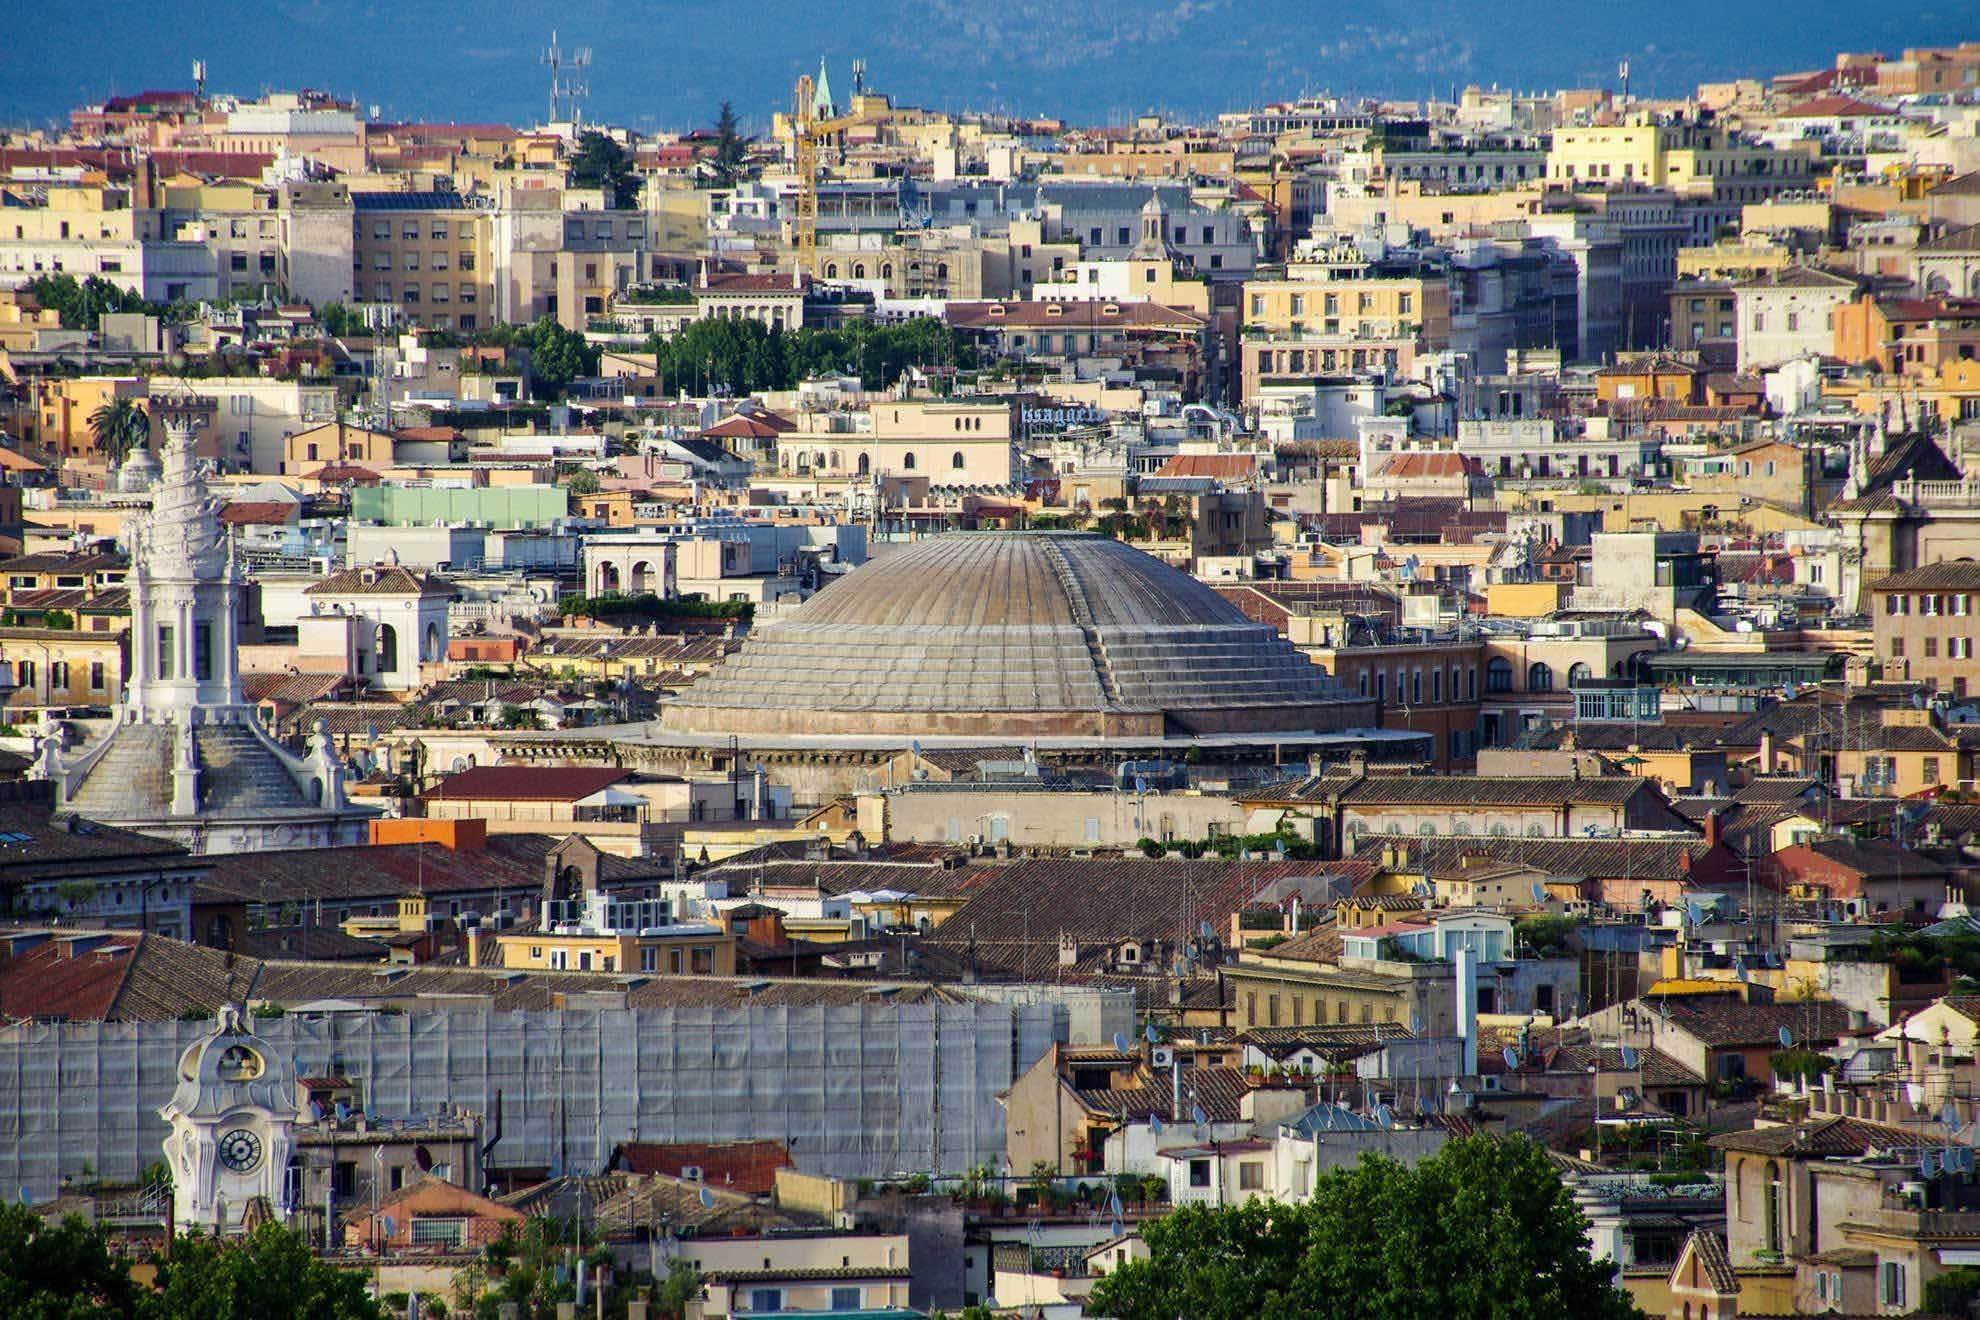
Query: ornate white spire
[182,536]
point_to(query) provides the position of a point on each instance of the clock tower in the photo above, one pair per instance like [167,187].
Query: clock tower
[232,1121]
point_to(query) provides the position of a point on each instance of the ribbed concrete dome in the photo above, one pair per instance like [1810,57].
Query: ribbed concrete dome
[1012,634]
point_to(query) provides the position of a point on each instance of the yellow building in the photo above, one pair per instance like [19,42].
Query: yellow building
[581,928]
[1366,308]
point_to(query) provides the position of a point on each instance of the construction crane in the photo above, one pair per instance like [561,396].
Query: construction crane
[807,129]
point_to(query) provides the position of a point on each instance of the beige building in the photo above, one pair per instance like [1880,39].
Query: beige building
[1361,308]
[1924,621]
[428,255]
[949,442]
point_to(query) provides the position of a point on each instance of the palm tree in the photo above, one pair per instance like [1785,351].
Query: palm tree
[119,426]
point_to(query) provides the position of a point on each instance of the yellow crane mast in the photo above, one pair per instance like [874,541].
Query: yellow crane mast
[807,130]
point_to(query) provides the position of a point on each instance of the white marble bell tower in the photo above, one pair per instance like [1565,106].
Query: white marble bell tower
[185,598]
[232,1119]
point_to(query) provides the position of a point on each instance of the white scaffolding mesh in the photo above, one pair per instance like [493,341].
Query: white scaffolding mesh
[861,1090]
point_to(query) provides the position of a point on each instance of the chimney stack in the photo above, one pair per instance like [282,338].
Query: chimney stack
[1712,828]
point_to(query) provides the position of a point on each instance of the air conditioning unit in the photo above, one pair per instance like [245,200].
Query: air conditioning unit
[691,1172]
[1163,1056]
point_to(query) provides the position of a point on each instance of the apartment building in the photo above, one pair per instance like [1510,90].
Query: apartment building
[1361,307]
[96,231]
[1924,621]
[314,241]
[1788,314]
[426,254]
[238,223]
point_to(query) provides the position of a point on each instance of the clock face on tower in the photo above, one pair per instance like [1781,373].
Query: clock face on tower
[240,1150]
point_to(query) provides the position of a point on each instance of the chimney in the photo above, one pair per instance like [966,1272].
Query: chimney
[1467,1010]
[1712,828]
[1766,751]
[474,944]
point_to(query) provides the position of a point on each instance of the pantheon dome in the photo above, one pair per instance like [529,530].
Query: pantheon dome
[1014,634]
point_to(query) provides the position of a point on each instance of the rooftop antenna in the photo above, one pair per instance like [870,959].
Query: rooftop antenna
[199,80]
[859,77]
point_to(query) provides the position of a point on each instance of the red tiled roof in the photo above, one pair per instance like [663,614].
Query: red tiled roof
[258,513]
[534,783]
[351,472]
[1436,463]
[741,427]
[1832,107]
[773,283]
[432,433]
[1224,467]
[748,1167]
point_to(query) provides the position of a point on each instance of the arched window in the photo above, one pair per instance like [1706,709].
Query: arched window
[608,578]
[956,460]
[433,647]
[859,270]
[887,270]
[908,462]
[1577,674]
[1498,675]
[865,464]
[831,270]
[642,577]
[1539,678]
[388,648]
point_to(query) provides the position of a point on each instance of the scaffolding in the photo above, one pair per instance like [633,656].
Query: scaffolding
[868,1090]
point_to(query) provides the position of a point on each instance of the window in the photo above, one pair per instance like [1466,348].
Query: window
[956,460]
[847,1299]
[1891,1291]
[1498,675]
[1929,768]
[766,1299]
[1539,678]
[1251,1175]
[167,652]
[438,1232]
[1199,1173]
[96,676]
[202,651]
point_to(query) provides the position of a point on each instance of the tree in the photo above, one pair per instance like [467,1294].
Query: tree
[64,1271]
[1954,1292]
[682,1285]
[1483,1229]
[731,150]
[600,162]
[557,356]
[339,321]
[269,1274]
[582,482]
[119,426]
[80,303]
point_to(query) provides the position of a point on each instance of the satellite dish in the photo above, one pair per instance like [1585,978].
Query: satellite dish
[1206,931]
[1197,1115]
[1629,1058]
[1154,1125]
[1511,1056]
[1114,1204]
[1928,1163]
[914,745]
[1539,892]
[707,1199]
[315,1112]
[1786,1038]
[1120,1042]
[1119,1228]
[424,1158]
[1151,1035]
[1949,1116]
[1385,1116]
[390,1225]
[27,1197]
[1741,973]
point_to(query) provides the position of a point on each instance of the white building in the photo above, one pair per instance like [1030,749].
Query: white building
[408,612]
[1787,314]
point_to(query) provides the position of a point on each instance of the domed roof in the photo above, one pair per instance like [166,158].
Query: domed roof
[230,1067]
[1011,634]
